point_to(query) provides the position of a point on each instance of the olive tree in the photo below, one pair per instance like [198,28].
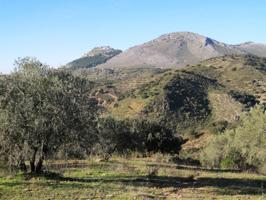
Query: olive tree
[43,110]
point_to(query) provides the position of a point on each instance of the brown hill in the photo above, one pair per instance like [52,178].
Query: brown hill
[177,50]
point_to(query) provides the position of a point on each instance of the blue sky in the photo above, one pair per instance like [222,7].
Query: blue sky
[57,31]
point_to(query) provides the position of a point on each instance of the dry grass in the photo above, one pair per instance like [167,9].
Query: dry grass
[128,108]
[224,107]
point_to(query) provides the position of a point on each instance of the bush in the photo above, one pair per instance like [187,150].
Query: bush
[114,136]
[153,137]
[219,126]
[212,155]
[123,137]
[243,147]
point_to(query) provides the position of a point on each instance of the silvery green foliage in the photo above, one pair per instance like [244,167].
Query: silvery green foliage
[242,147]
[43,110]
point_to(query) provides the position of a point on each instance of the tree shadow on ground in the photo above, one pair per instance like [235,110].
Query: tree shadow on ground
[151,164]
[228,186]
[223,186]
[195,167]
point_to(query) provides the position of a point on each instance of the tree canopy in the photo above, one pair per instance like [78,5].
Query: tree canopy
[43,110]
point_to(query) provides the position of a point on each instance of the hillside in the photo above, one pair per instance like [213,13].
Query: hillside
[115,84]
[193,98]
[177,50]
[94,57]
[253,48]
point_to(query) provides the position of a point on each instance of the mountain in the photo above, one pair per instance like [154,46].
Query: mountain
[178,50]
[94,57]
[253,48]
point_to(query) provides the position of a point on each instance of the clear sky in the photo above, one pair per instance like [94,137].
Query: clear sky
[57,31]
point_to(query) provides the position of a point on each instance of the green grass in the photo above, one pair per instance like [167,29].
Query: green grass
[131,179]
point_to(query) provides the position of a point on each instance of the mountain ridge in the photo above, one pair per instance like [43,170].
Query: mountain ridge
[171,50]
[178,49]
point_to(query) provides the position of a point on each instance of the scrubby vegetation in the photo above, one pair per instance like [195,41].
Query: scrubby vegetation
[46,113]
[191,100]
[184,100]
[139,136]
[243,147]
[72,131]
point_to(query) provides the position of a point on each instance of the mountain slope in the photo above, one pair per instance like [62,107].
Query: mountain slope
[94,57]
[253,48]
[194,97]
[177,50]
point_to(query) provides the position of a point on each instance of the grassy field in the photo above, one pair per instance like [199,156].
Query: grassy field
[134,178]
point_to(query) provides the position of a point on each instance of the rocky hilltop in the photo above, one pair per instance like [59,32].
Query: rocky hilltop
[96,56]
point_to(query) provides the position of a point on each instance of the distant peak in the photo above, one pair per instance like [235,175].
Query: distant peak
[246,43]
[180,35]
[101,50]
[94,57]
[183,33]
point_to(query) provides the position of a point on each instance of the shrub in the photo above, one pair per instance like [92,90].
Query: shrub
[123,137]
[219,126]
[153,137]
[212,155]
[113,137]
[243,147]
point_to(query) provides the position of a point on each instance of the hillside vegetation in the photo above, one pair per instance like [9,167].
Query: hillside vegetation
[243,147]
[200,92]
[146,133]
